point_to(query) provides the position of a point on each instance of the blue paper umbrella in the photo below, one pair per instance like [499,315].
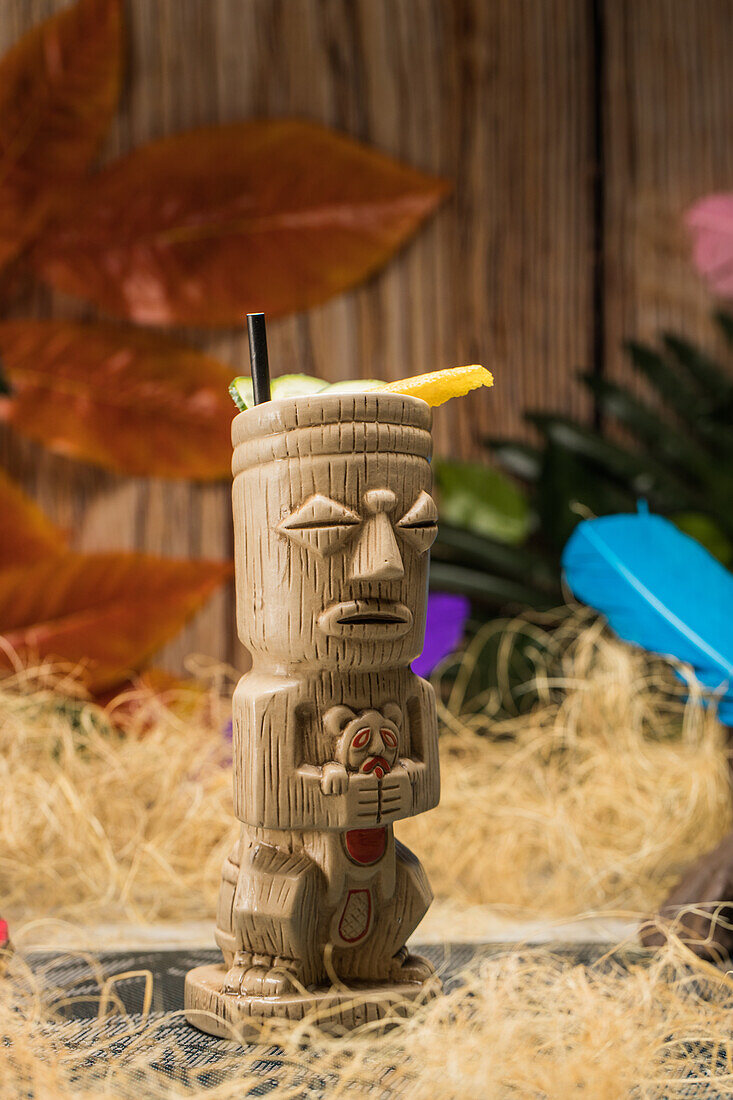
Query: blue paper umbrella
[659,589]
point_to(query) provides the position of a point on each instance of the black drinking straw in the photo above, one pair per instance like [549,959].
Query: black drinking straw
[258,357]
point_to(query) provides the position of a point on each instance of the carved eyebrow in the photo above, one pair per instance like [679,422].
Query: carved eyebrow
[319,511]
[419,525]
[423,513]
[319,524]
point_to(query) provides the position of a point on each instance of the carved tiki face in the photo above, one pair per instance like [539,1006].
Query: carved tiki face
[333,521]
[367,741]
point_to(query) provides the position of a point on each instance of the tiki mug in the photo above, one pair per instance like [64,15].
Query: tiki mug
[335,738]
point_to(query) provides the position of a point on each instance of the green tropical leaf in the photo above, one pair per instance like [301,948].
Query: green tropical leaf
[638,473]
[705,373]
[519,459]
[505,668]
[707,532]
[455,544]
[671,385]
[666,442]
[569,489]
[482,500]
[676,452]
[724,321]
[485,588]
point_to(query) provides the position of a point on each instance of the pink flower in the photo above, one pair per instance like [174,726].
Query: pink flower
[711,223]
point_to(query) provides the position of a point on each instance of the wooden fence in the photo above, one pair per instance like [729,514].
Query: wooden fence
[575,132]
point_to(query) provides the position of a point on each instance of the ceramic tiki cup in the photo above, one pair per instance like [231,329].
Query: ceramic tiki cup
[335,738]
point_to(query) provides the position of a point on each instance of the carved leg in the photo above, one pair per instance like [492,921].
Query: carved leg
[225,936]
[275,910]
[384,957]
[406,967]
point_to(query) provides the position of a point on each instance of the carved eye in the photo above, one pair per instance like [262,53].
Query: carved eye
[419,525]
[320,524]
[361,738]
[389,738]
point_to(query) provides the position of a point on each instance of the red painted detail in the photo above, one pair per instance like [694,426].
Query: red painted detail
[4,933]
[356,916]
[361,737]
[389,738]
[378,765]
[366,846]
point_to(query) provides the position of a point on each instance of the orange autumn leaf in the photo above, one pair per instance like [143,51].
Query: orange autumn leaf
[107,612]
[26,535]
[133,401]
[59,87]
[202,227]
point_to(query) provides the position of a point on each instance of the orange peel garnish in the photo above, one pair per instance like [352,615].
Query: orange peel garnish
[440,385]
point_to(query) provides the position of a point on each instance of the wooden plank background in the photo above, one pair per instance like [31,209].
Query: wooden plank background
[668,140]
[575,133]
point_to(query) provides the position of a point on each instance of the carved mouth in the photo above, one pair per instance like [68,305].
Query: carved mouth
[369,619]
[366,619]
[376,764]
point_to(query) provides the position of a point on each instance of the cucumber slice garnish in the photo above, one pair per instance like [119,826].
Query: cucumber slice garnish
[287,385]
[355,385]
[242,393]
[296,385]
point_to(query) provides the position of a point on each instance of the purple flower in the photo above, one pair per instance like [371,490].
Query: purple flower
[446,622]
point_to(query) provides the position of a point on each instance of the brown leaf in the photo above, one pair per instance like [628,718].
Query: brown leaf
[108,612]
[26,535]
[59,87]
[202,227]
[132,401]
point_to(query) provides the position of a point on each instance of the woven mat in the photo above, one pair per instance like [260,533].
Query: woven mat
[79,978]
[176,1047]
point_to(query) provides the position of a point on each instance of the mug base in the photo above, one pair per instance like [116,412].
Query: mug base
[333,1010]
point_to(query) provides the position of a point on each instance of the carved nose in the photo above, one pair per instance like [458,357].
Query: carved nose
[376,555]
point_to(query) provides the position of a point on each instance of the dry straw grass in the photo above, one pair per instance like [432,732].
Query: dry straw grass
[524,1025]
[595,800]
[592,801]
